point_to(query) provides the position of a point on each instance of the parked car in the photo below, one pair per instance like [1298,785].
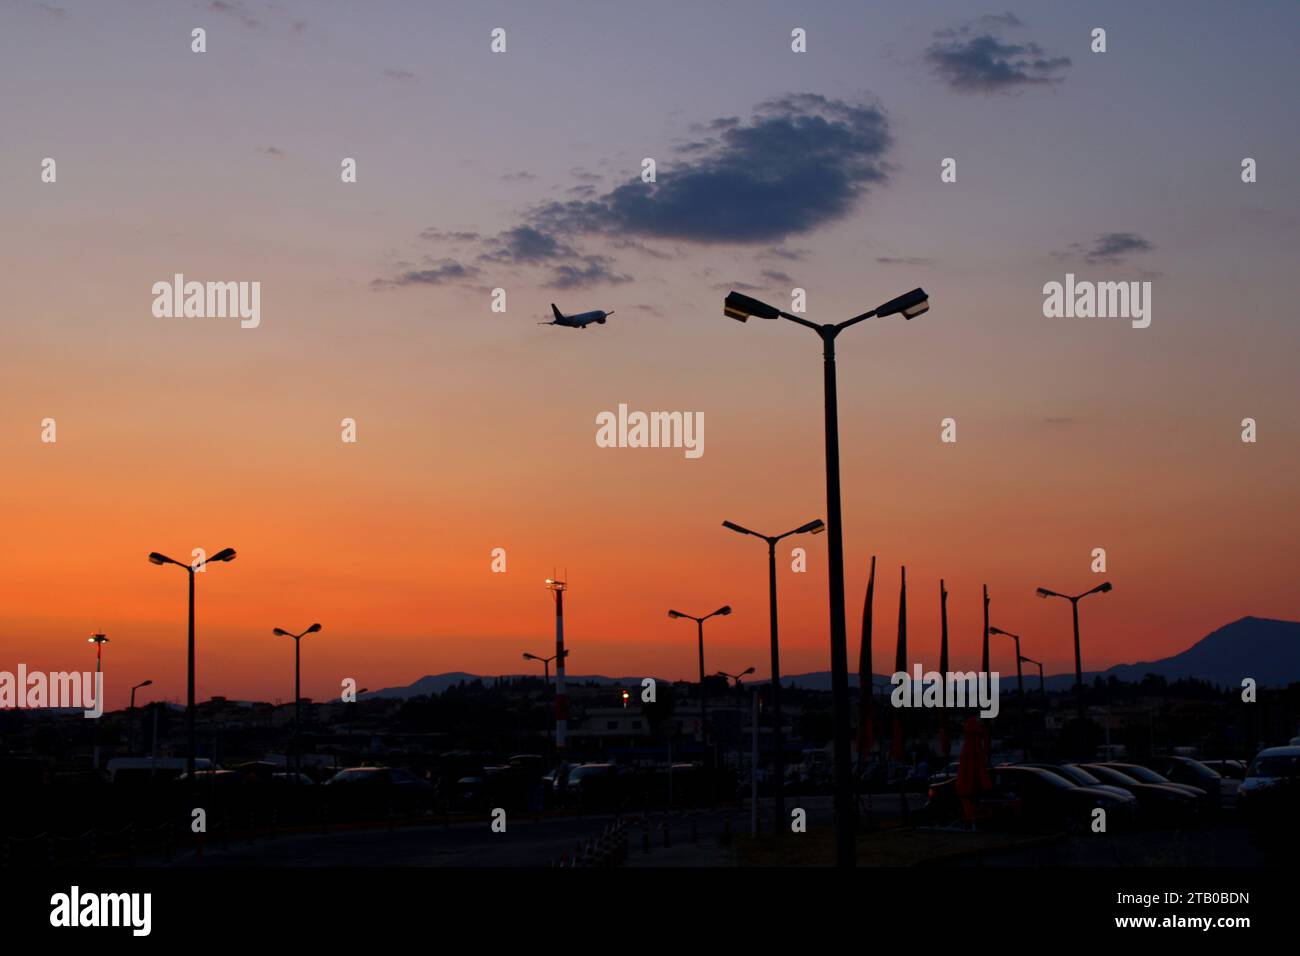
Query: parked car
[1208,801]
[1270,794]
[594,786]
[1158,804]
[1050,799]
[380,789]
[1024,796]
[1195,773]
[1081,778]
[1231,769]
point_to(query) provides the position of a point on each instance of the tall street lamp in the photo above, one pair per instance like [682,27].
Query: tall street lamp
[99,640]
[778,763]
[704,703]
[1020,687]
[131,732]
[226,554]
[909,305]
[297,675]
[1041,689]
[1074,600]
[546,664]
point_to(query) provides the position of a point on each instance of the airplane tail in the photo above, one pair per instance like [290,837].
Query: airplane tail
[558,314]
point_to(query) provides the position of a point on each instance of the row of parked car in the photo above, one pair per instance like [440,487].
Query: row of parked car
[1170,790]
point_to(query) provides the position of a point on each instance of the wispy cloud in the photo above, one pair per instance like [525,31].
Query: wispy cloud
[904,260]
[442,273]
[1110,248]
[237,10]
[977,58]
[801,161]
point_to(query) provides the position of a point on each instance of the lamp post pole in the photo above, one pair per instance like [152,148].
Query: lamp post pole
[910,305]
[778,740]
[1074,600]
[226,554]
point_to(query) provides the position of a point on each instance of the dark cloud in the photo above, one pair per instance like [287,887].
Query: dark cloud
[975,58]
[443,272]
[802,161]
[776,275]
[525,244]
[592,270]
[271,151]
[520,177]
[1109,248]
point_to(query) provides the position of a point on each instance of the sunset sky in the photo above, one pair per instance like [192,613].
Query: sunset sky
[476,430]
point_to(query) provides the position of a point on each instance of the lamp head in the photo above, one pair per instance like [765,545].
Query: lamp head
[815,526]
[723,611]
[911,304]
[156,558]
[741,307]
[225,554]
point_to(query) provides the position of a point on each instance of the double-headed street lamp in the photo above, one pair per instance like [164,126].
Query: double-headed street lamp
[226,554]
[909,305]
[297,670]
[1074,605]
[99,640]
[778,765]
[297,680]
[545,662]
[131,732]
[735,678]
[704,705]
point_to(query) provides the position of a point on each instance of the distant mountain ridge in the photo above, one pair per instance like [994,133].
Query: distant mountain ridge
[1265,649]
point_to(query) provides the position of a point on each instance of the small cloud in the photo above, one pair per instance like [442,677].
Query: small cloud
[1060,420]
[399,75]
[437,235]
[780,252]
[525,244]
[58,13]
[1110,248]
[594,270]
[974,58]
[904,260]
[520,177]
[236,9]
[448,270]
[776,276]
[271,151]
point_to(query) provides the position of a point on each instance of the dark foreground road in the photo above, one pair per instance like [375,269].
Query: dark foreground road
[526,842]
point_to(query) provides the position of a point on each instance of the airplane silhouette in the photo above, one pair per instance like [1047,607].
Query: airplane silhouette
[579,321]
